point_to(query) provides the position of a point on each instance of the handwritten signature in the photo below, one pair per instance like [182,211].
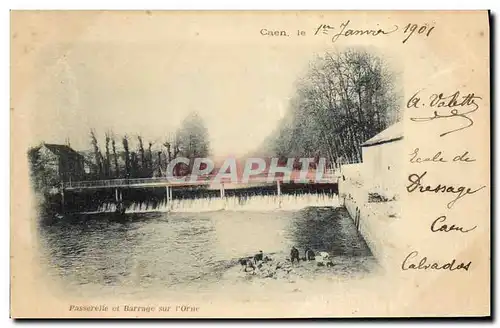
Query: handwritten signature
[454,102]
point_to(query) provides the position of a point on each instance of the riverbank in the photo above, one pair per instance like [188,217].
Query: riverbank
[280,281]
[281,268]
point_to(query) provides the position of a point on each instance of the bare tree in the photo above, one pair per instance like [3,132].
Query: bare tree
[141,153]
[344,99]
[107,161]
[160,172]
[150,157]
[127,156]
[115,156]
[97,153]
[135,169]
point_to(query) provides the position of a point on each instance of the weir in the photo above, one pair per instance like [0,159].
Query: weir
[216,197]
[230,203]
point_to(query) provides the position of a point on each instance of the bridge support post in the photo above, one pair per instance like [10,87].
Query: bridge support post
[117,198]
[222,191]
[62,201]
[278,187]
[169,197]
[223,196]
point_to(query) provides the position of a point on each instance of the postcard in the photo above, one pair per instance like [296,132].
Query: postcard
[250,164]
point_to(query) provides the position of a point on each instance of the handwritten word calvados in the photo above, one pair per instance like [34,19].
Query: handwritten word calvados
[416,184]
[425,264]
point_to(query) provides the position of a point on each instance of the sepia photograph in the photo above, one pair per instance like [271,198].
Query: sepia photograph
[248,164]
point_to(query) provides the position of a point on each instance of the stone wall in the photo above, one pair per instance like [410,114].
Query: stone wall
[372,219]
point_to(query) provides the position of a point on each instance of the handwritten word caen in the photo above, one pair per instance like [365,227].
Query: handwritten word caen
[424,265]
[416,185]
[439,226]
[416,157]
[456,106]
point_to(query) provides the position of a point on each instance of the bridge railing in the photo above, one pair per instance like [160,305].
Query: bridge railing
[138,181]
[115,182]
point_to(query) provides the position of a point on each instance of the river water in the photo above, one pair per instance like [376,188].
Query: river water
[148,253]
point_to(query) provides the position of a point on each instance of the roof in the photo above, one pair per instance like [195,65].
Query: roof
[62,150]
[392,133]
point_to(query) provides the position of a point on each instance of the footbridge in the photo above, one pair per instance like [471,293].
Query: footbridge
[209,181]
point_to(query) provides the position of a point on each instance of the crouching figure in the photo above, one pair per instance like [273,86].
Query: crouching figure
[294,255]
[247,263]
[310,256]
[259,257]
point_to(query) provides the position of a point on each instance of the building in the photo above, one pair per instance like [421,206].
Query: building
[382,161]
[371,191]
[52,164]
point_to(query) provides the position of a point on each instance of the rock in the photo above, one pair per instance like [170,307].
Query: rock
[281,275]
[269,274]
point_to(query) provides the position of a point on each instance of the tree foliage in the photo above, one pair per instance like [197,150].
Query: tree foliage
[141,161]
[115,157]
[192,137]
[344,99]
[41,177]
[97,153]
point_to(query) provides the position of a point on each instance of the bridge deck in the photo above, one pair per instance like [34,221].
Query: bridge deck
[202,181]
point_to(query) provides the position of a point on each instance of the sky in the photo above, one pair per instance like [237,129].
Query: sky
[141,72]
[145,76]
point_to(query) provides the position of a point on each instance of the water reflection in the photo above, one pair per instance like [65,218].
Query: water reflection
[317,228]
[153,251]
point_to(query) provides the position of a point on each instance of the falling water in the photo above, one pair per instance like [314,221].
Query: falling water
[289,202]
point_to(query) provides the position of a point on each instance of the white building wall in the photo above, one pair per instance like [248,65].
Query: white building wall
[382,168]
[380,172]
